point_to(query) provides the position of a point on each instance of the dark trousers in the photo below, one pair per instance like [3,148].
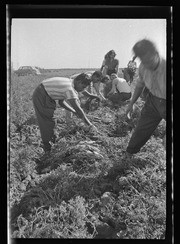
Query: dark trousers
[152,113]
[44,108]
[111,71]
[119,97]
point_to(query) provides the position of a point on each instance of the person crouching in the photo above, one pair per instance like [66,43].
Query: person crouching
[120,91]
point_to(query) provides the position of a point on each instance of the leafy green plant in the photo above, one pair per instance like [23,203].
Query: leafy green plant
[67,220]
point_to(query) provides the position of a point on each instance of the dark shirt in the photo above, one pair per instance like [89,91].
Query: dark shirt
[111,63]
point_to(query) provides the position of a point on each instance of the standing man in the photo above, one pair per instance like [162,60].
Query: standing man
[63,90]
[152,75]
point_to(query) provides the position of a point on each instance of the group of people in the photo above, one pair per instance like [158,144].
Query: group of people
[152,76]
[111,65]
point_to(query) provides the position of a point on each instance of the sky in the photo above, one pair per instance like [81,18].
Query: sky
[80,43]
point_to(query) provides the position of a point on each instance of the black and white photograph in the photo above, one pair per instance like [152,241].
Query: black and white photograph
[88,153]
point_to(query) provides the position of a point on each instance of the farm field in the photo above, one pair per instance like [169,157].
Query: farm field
[87,188]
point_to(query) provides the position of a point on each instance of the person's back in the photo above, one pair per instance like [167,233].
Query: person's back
[59,88]
[120,90]
[158,86]
[122,85]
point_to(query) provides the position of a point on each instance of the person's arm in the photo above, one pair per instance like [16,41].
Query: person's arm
[138,90]
[102,96]
[79,112]
[86,93]
[102,66]
[136,94]
[117,66]
[113,89]
[97,89]
[129,64]
[65,105]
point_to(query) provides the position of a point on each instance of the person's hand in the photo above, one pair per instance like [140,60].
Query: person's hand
[129,110]
[93,128]
[74,112]
[104,100]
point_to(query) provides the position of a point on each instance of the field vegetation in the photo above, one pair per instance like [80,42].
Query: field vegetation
[86,188]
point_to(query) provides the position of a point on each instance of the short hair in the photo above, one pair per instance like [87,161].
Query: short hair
[84,78]
[105,78]
[98,74]
[143,47]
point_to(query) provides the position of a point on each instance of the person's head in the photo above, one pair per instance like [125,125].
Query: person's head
[105,79]
[147,52]
[97,76]
[81,82]
[113,76]
[110,54]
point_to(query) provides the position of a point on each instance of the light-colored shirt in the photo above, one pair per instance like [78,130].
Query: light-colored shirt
[60,88]
[154,80]
[121,85]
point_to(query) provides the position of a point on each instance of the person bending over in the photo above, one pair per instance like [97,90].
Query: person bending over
[65,91]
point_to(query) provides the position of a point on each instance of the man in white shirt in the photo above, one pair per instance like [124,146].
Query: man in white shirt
[120,91]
